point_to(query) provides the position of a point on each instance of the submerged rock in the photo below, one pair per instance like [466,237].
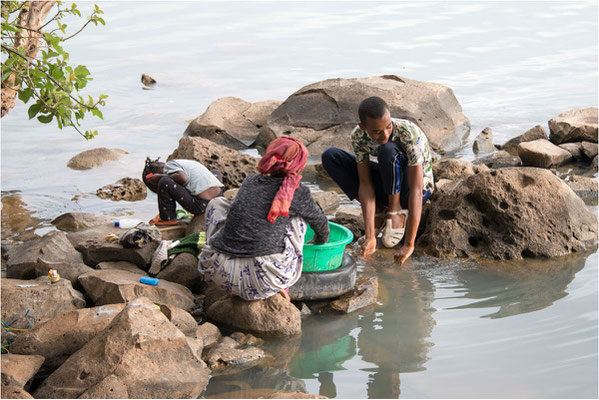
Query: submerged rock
[18,369]
[114,286]
[363,295]
[140,355]
[273,316]
[65,334]
[95,157]
[129,189]
[543,154]
[234,166]
[232,122]
[37,298]
[323,114]
[510,213]
[576,125]
[229,353]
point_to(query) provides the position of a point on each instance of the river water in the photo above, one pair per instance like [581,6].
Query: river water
[442,328]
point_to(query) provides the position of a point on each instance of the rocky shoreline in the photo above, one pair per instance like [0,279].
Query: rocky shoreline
[100,333]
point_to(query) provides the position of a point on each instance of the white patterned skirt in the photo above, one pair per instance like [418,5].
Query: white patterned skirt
[251,278]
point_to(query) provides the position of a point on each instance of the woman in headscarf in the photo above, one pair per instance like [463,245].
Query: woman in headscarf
[254,243]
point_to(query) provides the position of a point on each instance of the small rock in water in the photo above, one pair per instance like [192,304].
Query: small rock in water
[363,295]
[129,189]
[147,80]
[484,142]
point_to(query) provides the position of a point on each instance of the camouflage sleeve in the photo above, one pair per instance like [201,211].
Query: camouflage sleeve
[358,145]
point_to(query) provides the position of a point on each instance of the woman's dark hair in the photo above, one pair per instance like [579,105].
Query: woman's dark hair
[372,107]
[152,167]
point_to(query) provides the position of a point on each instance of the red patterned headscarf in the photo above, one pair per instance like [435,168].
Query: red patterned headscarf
[285,156]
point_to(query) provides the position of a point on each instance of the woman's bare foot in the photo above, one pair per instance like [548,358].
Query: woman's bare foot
[285,295]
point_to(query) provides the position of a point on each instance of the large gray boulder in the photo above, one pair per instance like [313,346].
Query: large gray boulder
[534,133]
[18,369]
[44,300]
[510,213]
[232,122]
[95,157]
[52,251]
[234,166]
[324,113]
[140,354]
[112,286]
[543,154]
[273,316]
[576,125]
[65,334]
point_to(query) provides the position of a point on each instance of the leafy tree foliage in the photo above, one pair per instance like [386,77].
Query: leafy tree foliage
[45,77]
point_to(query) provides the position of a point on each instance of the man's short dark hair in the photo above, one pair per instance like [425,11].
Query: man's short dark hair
[373,107]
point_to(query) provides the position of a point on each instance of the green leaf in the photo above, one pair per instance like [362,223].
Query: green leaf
[97,113]
[10,61]
[58,74]
[45,119]
[81,71]
[101,20]
[9,27]
[34,109]
[25,94]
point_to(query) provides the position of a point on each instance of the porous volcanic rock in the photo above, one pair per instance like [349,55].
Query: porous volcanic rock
[323,114]
[234,166]
[575,125]
[114,286]
[232,122]
[273,316]
[543,154]
[59,337]
[129,189]
[510,213]
[44,300]
[140,353]
[95,157]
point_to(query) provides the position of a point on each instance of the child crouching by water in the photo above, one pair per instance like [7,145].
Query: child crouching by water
[254,243]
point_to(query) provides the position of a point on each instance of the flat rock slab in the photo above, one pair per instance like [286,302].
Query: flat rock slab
[141,354]
[575,125]
[75,221]
[62,336]
[43,300]
[18,369]
[115,286]
[543,154]
[273,316]
[230,354]
[95,157]
[121,265]
[363,295]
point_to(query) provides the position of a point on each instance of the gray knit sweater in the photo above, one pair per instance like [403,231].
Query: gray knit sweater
[247,232]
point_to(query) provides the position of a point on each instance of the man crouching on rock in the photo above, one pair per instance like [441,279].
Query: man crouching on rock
[400,182]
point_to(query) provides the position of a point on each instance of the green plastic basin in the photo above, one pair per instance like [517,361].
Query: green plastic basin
[327,256]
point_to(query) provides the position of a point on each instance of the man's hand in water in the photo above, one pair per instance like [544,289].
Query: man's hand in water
[368,247]
[404,253]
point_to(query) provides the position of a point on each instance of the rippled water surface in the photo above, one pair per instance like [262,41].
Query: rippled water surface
[442,328]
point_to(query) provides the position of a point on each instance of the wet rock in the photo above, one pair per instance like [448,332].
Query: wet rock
[147,80]
[43,300]
[129,189]
[484,142]
[15,392]
[121,265]
[94,248]
[92,158]
[326,200]
[575,149]
[183,269]
[228,353]
[208,333]
[510,213]
[234,166]
[53,251]
[181,319]
[114,286]
[498,159]
[246,339]
[589,149]
[18,369]
[575,125]
[363,295]
[140,350]
[232,122]
[231,193]
[586,188]
[543,154]
[538,132]
[75,221]
[304,309]
[65,334]
[293,395]
[351,218]
[322,114]
[452,168]
[273,316]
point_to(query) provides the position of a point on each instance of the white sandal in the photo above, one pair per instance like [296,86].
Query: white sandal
[391,236]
